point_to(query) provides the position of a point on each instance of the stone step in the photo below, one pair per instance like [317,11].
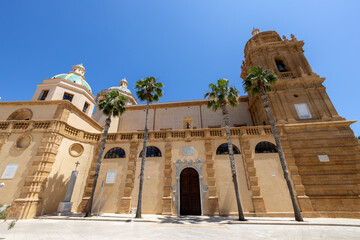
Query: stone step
[327,167]
[324,142]
[332,190]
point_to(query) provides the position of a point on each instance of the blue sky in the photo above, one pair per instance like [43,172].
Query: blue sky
[186,44]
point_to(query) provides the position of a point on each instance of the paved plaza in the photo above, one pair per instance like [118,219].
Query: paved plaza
[182,228]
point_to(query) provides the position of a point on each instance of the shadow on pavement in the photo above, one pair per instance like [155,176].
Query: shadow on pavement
[193,219]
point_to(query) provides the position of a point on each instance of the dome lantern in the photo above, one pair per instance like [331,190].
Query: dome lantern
[75,76]
[124,83]
[255,31]
[79,69]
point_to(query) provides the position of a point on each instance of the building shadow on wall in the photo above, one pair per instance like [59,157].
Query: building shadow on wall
[228,201]
[25,173]
[54,193]
[104,198]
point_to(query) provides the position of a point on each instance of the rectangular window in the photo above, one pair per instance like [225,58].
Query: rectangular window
[85,108]
[68,96]
[10,171]
[110,176]
[303,111]
[44,94]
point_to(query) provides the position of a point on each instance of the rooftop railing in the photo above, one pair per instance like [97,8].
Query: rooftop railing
[74,133]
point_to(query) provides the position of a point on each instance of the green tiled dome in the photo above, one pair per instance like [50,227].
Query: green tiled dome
[74,78]
[120,88]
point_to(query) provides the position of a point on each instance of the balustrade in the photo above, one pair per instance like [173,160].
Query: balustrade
[42,125]
[91,136]
[126,136]
[70,131]
[111,137]
[235,132]
[215,133]
[159,135]
[178,134]
[286,74]
[4,125]
[198,133]
[140,136]
[21,125]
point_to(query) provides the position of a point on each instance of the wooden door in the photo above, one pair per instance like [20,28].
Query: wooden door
[189,192]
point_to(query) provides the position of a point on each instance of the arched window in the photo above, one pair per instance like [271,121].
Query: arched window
[280,65]
[116,152]
[224,150]
[152,151]
[21,114]
[265,147]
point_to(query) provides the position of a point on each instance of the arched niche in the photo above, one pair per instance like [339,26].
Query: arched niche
[152,151]
[223,149]
[116,152]
[265,147]
[21,114]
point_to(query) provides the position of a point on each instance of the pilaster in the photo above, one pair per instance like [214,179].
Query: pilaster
[252,179]
[89,181]
[212,195]
[329,104]
[125,203]
[167,190]
[3,139]
[29,204]
[289,116]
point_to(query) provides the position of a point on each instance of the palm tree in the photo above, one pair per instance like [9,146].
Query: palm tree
[221,96]
[112,104]
[259,81]
[150,91]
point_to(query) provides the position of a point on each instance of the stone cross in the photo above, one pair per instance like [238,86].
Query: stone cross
[77,163]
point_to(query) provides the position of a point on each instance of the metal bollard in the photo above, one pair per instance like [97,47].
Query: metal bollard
[133,210]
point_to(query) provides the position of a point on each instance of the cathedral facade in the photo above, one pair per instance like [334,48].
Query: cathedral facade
[187,168]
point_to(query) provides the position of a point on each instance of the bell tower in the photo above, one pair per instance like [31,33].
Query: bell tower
[298,95]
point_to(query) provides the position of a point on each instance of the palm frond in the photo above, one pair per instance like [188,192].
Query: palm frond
[148,89]
[112,103]
[220,93]
[259,75]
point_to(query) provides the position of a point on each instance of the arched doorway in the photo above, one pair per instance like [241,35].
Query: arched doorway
[189,192]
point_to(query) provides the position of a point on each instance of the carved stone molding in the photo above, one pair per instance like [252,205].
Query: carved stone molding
[180,166]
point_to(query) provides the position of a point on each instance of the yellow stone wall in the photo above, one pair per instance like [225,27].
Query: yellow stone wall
[322,189]
[59,176]
[11,154]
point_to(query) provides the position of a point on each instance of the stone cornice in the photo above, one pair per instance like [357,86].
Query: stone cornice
[176,104]
[70,132]
[253,47]
[300,81]
[306,82]
[319,124]
[73,86]
[88,119]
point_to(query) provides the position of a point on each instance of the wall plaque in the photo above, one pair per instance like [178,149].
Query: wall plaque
[324,158]
[110,176]
[10,171]
[188,151]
